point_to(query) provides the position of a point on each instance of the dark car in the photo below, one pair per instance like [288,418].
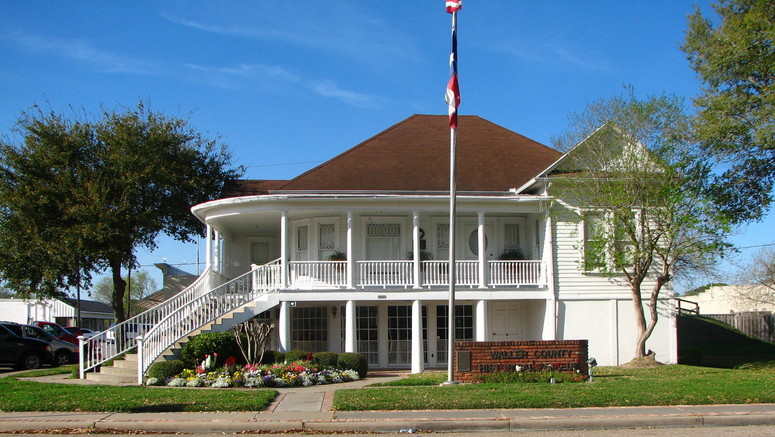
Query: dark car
[64,352]
[23,352]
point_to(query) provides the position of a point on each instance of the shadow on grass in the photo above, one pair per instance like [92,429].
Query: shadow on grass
[160,408]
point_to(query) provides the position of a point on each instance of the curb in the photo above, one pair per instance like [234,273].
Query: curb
[199,424]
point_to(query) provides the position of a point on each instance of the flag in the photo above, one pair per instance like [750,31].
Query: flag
[454,5]
[453,90]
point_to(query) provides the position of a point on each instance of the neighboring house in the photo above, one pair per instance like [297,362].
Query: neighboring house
[94,315]
[174,280]
[352,255]
[726,299]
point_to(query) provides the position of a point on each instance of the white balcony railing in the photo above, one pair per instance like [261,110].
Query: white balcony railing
[312,274]
[304,275]
[385,273]
[516,273]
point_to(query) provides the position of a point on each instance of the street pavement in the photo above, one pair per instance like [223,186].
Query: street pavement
[310,409]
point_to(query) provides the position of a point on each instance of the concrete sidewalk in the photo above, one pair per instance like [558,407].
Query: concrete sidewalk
[309,408]
[394,421]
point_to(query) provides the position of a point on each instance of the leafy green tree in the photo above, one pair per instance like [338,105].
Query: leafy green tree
[735,58]
[639,187]
[140,286]
[78,196]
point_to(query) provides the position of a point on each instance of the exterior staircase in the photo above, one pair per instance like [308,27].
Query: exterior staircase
[209,304]
[123,371]
[222,324]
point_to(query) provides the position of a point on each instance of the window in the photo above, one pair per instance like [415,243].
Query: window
[383,241]
[309,329]
[399,334]
[594,242]
[367,333]
[326,240]
[301,238]
[464,328]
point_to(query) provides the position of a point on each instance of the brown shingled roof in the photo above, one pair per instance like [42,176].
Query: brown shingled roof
[249,187]
[413,155]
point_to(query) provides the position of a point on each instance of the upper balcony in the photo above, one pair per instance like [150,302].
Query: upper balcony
[319,275]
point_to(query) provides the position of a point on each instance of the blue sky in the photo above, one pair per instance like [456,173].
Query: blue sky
[291,84]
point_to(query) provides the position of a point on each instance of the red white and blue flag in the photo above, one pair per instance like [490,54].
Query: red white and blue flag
[453,89]
[454,5]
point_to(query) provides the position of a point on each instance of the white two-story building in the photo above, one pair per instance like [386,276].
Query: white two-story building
[352,256]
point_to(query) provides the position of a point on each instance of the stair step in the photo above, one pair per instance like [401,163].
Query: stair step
[116,379]
[118,371]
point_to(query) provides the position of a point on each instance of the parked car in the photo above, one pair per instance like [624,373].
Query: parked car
[64,352]
[23,352]
[78,332]
[57,331]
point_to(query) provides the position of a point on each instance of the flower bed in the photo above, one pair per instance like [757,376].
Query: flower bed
[297,374]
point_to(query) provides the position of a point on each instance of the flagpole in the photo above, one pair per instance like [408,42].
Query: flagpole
[452,212]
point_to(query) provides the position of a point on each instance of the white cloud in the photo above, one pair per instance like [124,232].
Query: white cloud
[84,52]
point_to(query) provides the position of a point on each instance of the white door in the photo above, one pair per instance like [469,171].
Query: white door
[262,251]
[506,321]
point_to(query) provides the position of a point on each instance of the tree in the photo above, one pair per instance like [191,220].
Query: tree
[736,62]
[639,188]
[757,280]
[78,196]
[141,286]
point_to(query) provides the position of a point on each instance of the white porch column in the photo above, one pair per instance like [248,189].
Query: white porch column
[284,250]
[209,247]
[550,315]
[416,247]
[614,332]
[350,326]
[481,320]
[350,258]
[417,352]
[482,254]
[217,255]
[284,327]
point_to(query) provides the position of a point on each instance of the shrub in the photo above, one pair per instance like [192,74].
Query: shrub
[325,358]
[292,356]
[165,369]
[220,343]
[272,357]
[353,361]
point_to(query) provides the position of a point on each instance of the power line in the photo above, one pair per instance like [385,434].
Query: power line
[283,164]
[754,247]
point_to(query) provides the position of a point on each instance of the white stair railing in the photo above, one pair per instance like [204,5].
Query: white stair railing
[205,309]
[121,338]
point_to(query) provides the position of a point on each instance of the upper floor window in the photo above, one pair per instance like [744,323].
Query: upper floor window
[594,256]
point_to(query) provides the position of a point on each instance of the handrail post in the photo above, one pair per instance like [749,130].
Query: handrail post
[139,339]
[81,365]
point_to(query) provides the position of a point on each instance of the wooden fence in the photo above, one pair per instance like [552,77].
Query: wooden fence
[756,324]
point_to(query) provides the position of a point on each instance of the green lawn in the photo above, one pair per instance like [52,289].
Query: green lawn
[612,386]
[16,395]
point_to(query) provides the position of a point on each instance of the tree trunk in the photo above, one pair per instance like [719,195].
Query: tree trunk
[640,322]
[119,290]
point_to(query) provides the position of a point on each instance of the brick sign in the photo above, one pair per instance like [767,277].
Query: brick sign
[476,358]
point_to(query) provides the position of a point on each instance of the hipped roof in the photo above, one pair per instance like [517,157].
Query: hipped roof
[413,155]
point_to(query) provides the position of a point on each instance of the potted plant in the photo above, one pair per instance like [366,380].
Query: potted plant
[513,253]
[338,256]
